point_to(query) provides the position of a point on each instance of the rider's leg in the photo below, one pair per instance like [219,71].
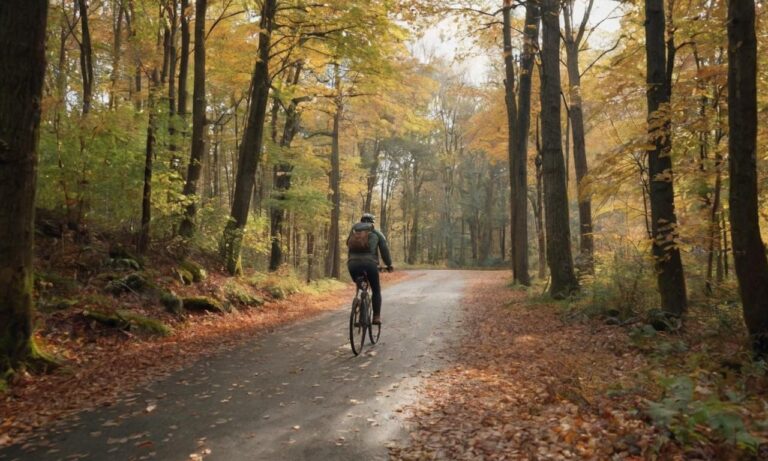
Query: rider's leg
[373,279]
[355,269]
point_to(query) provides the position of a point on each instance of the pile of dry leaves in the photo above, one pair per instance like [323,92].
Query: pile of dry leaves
[527,386]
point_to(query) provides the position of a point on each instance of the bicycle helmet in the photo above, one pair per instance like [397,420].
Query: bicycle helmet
[368,217]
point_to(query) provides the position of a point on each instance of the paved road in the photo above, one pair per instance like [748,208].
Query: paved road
[294,394]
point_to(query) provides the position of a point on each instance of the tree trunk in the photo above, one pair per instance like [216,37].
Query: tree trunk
[714,229]
[184,59]
[559,256]
[86,56]
[413,240]
[282,176]
[576,116]
[188,225]
[669,266]
[333,237]
[486,236]
[172,62]
[372,179]
[146,201]
[518,198]
[117,45]
[251,146]
[519,235]
[22,70]
[748,248]
[539,209]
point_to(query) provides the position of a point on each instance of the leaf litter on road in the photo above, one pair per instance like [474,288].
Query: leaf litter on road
[524,385]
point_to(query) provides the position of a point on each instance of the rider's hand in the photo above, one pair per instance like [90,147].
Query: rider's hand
[390,268]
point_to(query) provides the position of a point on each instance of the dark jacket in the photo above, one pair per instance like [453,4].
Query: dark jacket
[377,243]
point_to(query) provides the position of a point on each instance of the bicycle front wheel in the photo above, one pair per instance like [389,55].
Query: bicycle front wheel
[357,327]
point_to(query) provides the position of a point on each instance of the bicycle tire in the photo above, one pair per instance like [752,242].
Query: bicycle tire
[374,331]
[356,327]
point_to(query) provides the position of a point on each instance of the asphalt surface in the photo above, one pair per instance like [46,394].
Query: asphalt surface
[297,393]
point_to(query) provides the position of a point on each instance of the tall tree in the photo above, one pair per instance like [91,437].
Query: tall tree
[250,148]
[660,55]
[559,257]
[22,69]
[573,41]
[149,155]
[748,248]
[334,237]
[86,56]
[187,228]
[184,61]
[519,165]
[282,174]
[118,12]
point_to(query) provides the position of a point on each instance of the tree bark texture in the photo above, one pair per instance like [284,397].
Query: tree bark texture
[559,257]
[748,248]
[188,223]
[146,201]
[251,146]
[334,236]
[573,41]
[669,266]
[22,69]
[86,56]
[519,202]
[519,233]
[282,177]
[184,59]
[117,46]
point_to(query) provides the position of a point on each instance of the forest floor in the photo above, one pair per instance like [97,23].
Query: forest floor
[532,381]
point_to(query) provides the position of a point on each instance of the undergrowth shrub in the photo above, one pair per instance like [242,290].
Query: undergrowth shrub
[285,282]
[623,288]
[692,413]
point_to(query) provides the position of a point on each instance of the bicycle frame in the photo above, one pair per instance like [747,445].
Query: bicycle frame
[362,294]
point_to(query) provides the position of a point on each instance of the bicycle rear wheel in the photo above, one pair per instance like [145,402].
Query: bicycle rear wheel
[357,327]
[374,331]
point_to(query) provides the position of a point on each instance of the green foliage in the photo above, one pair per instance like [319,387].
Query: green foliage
[622,290]
[127,320]
[281,287]
[693,414]
[203,303]
[238,294]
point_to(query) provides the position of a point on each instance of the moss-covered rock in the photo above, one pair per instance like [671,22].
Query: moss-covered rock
[132,283]
[663,321]
[171,302]
[241,296]
[56,304]
[124,264]
[191,272]
[127,320]
[120,253]
[203,303]
[185,276]
[135,283]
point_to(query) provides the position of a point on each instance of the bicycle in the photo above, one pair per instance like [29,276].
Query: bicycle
[361,316]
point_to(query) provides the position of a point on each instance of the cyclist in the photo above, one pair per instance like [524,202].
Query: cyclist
[364,243]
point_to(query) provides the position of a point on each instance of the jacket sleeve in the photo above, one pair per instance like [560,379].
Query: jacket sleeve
[384,249]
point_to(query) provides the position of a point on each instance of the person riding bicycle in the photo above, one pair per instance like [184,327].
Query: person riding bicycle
[364,243]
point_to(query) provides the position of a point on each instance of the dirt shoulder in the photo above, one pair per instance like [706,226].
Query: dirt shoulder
[528,386]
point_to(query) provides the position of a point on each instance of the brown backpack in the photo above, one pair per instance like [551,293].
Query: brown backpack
[358,241]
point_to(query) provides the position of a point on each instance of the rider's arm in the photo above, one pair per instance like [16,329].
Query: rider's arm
[384,249]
